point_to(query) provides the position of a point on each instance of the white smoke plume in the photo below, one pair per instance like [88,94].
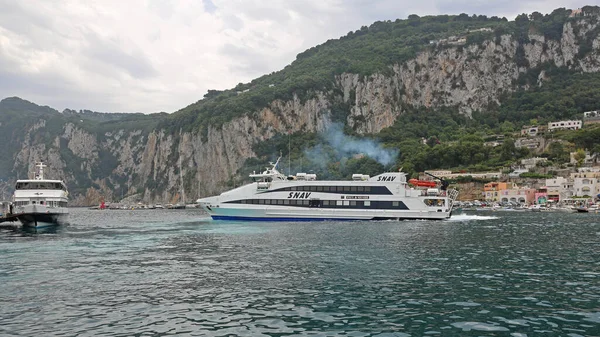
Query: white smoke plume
[344,146]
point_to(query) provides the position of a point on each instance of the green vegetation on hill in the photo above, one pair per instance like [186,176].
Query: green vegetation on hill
[455,141]
[369,50]
[421,138]
[562,95]
[18,115]
[15,116]
[365,51]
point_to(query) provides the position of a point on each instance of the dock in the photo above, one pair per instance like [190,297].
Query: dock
[8,218]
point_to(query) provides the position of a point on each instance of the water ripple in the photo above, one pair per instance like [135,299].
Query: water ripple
[163,273]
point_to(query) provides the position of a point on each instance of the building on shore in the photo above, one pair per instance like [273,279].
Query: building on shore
[445,174]
[559,188]
[508,192]
[586,183]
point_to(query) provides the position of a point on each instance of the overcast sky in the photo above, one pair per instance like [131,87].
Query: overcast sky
[161,55]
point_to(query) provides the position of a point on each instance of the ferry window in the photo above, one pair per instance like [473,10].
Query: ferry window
[367,203]
[325,188]
[305,202]
[319,188]
[279,202]
[352,203]
[286,202]
[346,202]
[352,188]
[339,203]
[313,188]
[359,203]
[242,201]
[267,201]
[261,201]
[293,188]
[395,204]
[325,202]
[367,188]
[360,188]
[346,188]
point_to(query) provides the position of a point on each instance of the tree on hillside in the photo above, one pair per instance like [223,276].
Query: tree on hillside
[579,156]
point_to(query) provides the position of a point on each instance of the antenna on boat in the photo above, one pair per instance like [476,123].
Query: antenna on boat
[277,162]
[39,175]
[289,154]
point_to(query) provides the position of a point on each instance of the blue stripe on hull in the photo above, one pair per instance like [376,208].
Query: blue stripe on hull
[247,218]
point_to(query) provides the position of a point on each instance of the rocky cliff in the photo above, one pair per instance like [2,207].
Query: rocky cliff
[154,164]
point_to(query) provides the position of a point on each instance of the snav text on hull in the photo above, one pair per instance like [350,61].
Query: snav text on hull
[276,197]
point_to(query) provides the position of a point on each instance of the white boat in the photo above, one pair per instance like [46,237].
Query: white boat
[40,202]
[273,196]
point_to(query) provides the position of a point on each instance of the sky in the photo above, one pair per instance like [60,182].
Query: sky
[161,55]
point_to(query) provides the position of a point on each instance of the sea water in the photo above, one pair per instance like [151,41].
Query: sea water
[176,272]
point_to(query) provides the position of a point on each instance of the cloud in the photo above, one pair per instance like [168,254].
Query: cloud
[161,55]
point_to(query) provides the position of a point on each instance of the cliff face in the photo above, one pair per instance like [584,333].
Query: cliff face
[469,77]
[152,165]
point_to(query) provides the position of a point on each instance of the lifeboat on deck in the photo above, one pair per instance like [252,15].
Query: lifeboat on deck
[422,183]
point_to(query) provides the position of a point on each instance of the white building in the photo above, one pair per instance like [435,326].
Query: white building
[586,183]
[517,172]
[532,162]
[449,175]
[530,131]
[591,117]
[589,158]
[565,125]
[559,188]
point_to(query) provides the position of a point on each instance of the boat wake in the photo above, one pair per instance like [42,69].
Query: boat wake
[471,217]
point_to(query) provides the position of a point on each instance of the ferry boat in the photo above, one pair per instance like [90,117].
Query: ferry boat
[276,197]
[40,202]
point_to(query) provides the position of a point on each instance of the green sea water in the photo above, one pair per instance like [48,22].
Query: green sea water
[176,272]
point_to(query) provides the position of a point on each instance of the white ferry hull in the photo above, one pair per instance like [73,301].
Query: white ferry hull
[282,213]
[39,216]
[275,197]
